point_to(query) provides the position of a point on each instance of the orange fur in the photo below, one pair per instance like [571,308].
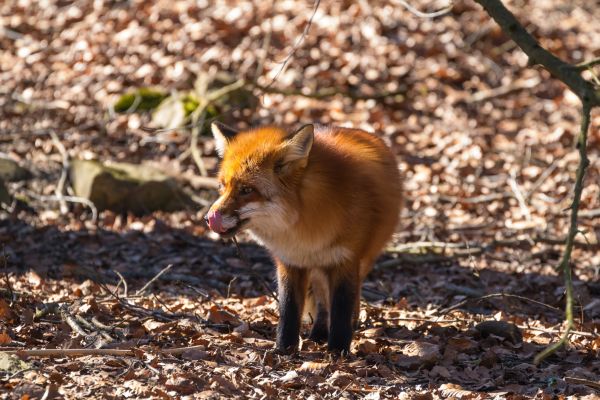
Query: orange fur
[329,210]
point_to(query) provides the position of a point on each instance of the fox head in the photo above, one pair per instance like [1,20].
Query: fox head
[259,178]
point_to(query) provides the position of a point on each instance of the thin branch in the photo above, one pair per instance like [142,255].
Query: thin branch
[151,281]
[71,199]
[296,45]
[421,14]
[567,73]
[97,352]
[496,295]
[588,64]
[565,261]
[60,186]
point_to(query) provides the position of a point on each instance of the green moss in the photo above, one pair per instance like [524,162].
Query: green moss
[142,99]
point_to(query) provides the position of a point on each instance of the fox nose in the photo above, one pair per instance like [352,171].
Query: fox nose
[214,219]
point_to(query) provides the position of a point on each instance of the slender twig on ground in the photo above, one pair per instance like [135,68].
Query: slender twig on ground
[60,186]
[98,352]
[580,381]
[122,281]
[151,281]
[71,199]
[496,295]
[458,250]
[71,321]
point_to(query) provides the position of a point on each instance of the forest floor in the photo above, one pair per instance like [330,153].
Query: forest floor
[485,143]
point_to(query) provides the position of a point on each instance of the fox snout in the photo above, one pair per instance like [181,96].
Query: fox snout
[214,219]
[223,223]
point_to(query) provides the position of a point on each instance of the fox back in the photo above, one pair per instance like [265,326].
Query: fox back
[323,200]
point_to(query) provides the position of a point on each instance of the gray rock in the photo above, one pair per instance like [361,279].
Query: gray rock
[123,187]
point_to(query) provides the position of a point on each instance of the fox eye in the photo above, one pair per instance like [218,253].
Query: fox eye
[278,167]
[246,190]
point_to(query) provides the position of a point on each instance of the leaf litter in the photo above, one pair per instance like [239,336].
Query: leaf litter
[206,327]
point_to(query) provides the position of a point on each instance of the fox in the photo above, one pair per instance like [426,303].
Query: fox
[324,201]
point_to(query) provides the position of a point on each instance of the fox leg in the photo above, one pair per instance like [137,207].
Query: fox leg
[292,284]
[344,293]
[320,291]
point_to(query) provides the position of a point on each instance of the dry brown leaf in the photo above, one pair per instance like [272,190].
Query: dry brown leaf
[314,367]
[4,338]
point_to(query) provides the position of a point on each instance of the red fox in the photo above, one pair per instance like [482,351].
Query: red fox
[324,201]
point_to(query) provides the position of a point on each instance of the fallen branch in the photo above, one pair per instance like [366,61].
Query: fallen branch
[580,381]
[493,296]
[99,352]
[151,281]
[459,250]
[520,84]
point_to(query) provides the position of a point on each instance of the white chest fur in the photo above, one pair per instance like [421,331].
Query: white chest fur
[291,251]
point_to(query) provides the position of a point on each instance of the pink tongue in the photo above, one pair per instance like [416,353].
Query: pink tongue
[215,221]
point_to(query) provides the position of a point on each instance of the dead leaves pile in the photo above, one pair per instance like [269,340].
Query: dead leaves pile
[485,144]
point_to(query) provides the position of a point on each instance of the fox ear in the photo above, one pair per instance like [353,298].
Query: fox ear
[299,144]
[223,135]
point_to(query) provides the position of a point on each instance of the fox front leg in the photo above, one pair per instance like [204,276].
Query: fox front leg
[344,285]
[292,285]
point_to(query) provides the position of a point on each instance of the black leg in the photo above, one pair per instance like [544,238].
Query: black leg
[343,301]
[320,328]
[292,290]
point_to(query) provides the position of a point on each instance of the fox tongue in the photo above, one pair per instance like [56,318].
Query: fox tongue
[215,221]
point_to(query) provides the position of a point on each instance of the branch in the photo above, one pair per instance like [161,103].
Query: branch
[590,97]
[567,73]
[326,93]
[564,262]
[588,64]
[421,14]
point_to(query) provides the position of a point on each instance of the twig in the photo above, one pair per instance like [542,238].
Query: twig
[97,352]
[468,249]
[519,84]
[199,117]
[296,45]
[122,280]
[421,14]
[588,64]
[580,381]
[565,72]
[151,281]
[564,263]
[68,318]
[63,174]
[72,199]
[495,295]
[514,186]
[590,213]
